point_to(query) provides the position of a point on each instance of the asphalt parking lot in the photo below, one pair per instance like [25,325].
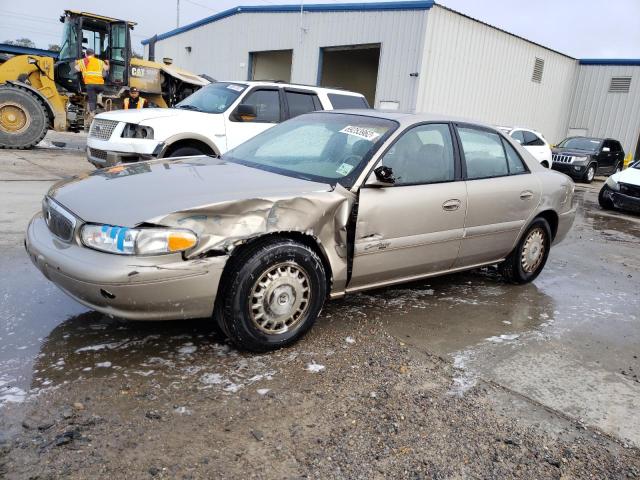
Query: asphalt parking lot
[457,377]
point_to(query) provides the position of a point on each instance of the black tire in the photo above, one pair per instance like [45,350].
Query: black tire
[26,117]
[544,164]
[605,202]
[239,311]
[590,173]
[513,269]
[186,152]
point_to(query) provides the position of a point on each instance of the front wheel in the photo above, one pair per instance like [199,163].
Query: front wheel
[590,174]
[604,201]
[273,293]
[186,152]
[529,257]
[23,118]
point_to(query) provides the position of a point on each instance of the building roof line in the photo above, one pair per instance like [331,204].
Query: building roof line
[610,61]
[317,7]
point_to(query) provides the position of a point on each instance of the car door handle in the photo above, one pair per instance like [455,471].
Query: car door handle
[527,194]
[451,205]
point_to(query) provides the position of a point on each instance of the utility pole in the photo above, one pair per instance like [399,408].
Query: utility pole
[177,13]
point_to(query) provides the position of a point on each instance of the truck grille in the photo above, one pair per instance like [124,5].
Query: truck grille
[562,158]
[101,154]
[60,222]
[631,190]
[102,129]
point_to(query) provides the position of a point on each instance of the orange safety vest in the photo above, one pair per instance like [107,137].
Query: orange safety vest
[140,103]
[91,69]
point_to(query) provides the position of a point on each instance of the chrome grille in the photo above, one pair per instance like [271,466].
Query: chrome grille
[562,158]
[60,222]
[101,154]
[631,190]
[102,129]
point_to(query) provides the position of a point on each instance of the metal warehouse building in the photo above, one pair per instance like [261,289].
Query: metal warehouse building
[415,56]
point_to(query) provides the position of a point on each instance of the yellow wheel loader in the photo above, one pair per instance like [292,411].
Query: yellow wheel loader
[41,90]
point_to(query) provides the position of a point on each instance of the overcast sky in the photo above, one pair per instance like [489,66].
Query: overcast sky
[580,28]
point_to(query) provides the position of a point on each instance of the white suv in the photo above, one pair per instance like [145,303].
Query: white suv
[533,142]
[214,119]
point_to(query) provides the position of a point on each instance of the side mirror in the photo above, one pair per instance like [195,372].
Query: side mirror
[382,177]
[246,113]
[606,149]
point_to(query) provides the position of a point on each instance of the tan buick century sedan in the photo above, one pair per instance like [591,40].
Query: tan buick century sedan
[319,206]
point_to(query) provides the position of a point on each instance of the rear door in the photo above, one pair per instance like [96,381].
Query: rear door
[415,226]
[119,49]
[298,102]
[501,195]
[269,106]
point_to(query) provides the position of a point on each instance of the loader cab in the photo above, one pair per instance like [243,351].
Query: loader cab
[108,37]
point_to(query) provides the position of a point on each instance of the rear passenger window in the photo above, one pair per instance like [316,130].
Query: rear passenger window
[347,101]
[483,153]
[300,103]
[513,159]
[267,103]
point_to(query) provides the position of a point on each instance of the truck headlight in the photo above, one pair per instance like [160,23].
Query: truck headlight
[579,160]
[137,241]
[132,130]
[612,184]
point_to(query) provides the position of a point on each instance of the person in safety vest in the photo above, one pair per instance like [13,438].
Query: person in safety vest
[134,100]
[92,70]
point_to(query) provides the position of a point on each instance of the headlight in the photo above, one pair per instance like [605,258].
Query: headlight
[580,159]
[132,130]
[612,184]
[137,241]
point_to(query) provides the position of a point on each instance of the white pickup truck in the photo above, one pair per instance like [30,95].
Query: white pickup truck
[211,121]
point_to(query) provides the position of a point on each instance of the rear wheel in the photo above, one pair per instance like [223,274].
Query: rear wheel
[24,119]
[529,257]
[273,292]
[545,164]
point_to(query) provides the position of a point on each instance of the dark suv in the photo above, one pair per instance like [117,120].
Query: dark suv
[582,158]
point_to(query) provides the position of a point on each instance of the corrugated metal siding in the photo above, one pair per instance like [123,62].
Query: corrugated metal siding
[604,114]
[473,70]
[221,49]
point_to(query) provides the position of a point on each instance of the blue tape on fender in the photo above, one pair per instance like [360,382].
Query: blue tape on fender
[113,233]
[120,242]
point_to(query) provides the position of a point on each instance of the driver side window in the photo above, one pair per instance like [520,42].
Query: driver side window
[267,103]
[423,154]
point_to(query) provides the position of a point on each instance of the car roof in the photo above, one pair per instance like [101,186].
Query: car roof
[278,83]
[407,118]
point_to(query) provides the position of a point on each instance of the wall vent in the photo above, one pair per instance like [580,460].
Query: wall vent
[538,68]
[620,85]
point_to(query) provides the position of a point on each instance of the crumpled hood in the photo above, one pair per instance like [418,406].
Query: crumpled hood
[139,115]
[131,194]
[628,175]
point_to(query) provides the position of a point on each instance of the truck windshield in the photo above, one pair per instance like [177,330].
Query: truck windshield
[214,98]
[321,147]
[69,45]
[581,143]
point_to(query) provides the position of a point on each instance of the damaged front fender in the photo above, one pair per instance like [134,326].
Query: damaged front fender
[323,216]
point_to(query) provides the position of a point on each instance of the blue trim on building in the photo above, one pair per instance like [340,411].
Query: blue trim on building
[20,50]
[610,61]
[317,7]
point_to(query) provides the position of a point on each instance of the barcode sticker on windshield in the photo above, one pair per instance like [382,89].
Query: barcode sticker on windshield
[237,88]
[361,132]
[344,169]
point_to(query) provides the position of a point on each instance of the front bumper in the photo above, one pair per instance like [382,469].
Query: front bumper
[163,287]
[106,153]
[571,169]
[622,201]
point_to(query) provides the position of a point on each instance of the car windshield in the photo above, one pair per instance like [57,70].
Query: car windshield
[214,98]
[581,143]
[322,147]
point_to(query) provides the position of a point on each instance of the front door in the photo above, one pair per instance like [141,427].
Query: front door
[606,157]
[414,227]
[268,104]
[502,195]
